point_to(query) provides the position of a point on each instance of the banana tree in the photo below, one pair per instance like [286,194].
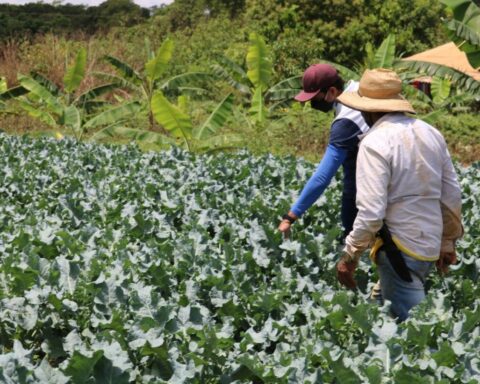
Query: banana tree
[385,57]
[381,57]
[150,79]
[65,109]
[464,28]
[254,81]
[179,127]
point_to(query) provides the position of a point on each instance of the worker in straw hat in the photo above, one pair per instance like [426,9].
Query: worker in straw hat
[408,196]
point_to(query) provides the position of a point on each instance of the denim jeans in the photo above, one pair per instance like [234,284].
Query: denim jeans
[402,294]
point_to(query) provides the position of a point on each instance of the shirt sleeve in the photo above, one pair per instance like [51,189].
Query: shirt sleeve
[373,176]
[315,186]
[451,206]
[343,139]
[344,134]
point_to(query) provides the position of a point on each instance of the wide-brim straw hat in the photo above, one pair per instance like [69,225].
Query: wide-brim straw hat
[379,91]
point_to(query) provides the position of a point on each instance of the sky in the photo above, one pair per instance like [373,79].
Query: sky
[142,3]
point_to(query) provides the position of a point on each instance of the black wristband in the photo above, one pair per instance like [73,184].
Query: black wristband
[290,219]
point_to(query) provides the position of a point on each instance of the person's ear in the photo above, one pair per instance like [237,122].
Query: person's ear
[332,94]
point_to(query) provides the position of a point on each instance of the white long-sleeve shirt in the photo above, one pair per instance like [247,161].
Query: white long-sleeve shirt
[405,176]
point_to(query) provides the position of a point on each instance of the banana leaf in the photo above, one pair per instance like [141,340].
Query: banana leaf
[76,72]
[47,83]
[95,92]
[385,54]
[42,92]
[157,66]
[216,120]
[440,88]
[113,115]
[464,28]
[189,78]
[233,68]
[126,72]
[13,93]
[37,113]
[257,111]
[259,65]
[71,118]
[171,118]
[285,89]
[459,79]
[223,74]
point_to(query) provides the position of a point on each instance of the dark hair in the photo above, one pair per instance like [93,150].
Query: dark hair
[339,83]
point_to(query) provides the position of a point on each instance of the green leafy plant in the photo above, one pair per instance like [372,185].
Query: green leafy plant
[254,82]
[464,28]
[118,265]
[64,109]
[150,80]
[179,127]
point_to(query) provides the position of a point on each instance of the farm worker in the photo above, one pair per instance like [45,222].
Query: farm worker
[407,191]
[321,86]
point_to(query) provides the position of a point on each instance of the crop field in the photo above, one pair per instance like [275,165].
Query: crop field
[118,266]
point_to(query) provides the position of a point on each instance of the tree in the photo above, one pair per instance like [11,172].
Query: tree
[464,28]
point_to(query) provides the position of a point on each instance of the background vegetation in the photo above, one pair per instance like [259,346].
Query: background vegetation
[212,38]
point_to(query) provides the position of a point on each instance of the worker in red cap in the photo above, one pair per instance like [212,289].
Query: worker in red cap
[321,86]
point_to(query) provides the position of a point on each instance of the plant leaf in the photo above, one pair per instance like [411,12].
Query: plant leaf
[113,115]
[257,111]
[188,78]
[285,89]
[217,118]
[71,118]
[127,72]
[385,54]
[37,89]
[259,65]
[157,66]
[223,74]
[38,113]
[171,117]
[13,93]
[95,92]
[76,72]
[47,83]
[458,79]
[440,89]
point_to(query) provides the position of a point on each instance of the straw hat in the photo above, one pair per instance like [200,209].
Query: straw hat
[379,91]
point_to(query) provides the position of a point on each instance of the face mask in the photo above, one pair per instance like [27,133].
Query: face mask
[321,105]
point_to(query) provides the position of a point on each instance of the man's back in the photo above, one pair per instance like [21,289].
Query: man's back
[408,159]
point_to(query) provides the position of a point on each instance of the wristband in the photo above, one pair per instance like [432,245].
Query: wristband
[288,218]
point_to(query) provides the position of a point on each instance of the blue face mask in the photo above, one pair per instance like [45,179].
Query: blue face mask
[322,105]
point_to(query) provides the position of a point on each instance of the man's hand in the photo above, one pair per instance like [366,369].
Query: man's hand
[284,227]
[446,259]
[286,223]
[345,270]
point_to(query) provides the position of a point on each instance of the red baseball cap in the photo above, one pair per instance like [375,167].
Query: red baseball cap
[315,78]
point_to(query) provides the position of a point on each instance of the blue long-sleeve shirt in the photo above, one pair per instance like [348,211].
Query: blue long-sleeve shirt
[341,150]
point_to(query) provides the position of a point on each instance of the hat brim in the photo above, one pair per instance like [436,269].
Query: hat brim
[306,96]
[367,104]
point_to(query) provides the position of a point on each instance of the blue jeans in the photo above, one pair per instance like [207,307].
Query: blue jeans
[402,294]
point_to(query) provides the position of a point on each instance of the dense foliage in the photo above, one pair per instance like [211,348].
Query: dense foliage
[20,21]
[122,266]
